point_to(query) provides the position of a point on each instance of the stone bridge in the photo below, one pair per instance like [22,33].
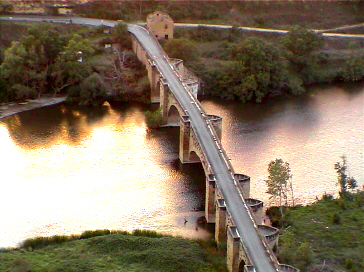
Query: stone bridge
[240,255]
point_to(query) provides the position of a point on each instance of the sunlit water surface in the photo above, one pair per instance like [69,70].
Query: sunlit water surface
[66,169]
[310,132]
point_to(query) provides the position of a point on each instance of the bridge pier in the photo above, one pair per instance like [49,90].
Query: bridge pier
[210,210]
[232,249]
[154,80]
[186,142]
[221,222]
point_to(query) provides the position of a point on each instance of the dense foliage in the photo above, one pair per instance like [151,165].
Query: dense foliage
[235,65]
[54,59]
[44,60]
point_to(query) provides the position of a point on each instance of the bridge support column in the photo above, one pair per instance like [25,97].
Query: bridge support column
[210,199]
[232,254]
[220,225]
[163,103]
[153,75]
[184,139]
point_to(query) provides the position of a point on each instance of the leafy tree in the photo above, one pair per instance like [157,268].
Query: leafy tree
[354,68]
[4,89]
[71,66]
[301,47]
[182,49]
[121,35]
[259,69]
[279,181]
[345,182]
[93,91]
[44,59]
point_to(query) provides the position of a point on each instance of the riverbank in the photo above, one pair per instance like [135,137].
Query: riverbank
[325,236]
[14,108]
[102,250]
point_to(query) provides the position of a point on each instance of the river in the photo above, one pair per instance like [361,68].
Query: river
[66,169]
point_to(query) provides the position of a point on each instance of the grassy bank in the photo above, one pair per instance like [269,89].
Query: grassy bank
[325,236]
[120,251]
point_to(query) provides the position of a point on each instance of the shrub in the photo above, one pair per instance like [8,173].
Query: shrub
[153,119]
[93,233]
[336,219]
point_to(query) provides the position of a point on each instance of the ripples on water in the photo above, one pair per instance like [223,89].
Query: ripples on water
[67,169]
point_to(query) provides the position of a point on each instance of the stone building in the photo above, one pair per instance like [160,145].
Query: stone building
[161,25]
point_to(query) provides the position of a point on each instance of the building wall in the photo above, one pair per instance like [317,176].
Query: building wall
[161,25]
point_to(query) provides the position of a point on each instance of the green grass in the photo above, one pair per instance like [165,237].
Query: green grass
[334,231]
[107,251]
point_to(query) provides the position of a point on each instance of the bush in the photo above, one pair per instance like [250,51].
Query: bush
[39,242]
[336,219]
[93,233]
[153,119]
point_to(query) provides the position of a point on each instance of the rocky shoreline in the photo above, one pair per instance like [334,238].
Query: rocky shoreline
[13,108]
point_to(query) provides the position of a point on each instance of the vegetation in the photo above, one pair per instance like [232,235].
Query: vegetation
[238,65]
[51,58]
[104,250]
[326,235]
[153,119]
[279,181]
[346,183]
[274,14]
[44,60]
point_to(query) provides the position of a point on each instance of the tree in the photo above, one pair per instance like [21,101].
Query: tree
[259,68]
[93,91]
[301,47]
[71,66]
[354,68]
[301,44]
[279,181]
[182,49]
[345,182]
[121,35]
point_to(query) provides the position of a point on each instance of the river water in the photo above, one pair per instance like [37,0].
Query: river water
[66,169]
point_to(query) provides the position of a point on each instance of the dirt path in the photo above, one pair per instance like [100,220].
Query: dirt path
[13,108]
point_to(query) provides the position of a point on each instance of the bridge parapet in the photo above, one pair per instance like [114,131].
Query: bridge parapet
[271,234]
[243,182]
[249,268]
[186,75]
[256,207]
[287,268]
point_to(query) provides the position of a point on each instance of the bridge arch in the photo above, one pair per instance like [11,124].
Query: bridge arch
[173,116]
[194,157]
[241,266]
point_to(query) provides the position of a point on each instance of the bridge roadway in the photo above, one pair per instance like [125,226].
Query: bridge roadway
[236,206]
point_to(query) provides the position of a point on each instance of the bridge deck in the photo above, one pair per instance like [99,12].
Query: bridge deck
[260,257]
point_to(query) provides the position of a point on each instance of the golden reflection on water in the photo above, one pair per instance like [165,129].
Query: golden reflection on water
[114,177]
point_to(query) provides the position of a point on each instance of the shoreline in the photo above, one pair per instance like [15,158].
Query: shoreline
[9,109]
